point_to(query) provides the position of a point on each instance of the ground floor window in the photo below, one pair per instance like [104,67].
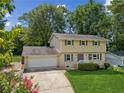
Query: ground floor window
[68,57]
[95,56]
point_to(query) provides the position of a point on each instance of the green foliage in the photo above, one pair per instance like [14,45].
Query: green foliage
[5,82]
[119,41]
[16,58]
[90,19]
[42,22]
[11,83]
[5,7]
[106,65]
[88,66]
[18,41]
[7,46]
[117,19]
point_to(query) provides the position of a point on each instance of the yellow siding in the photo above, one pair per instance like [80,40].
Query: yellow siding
[77,48]
[63,64]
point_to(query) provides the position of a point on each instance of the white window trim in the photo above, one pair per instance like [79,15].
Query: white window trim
[98,43]
[70,56]
[95,58]
[82,43]
[69,41]
[95,43]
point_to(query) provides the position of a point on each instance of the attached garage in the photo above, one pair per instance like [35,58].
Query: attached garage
[40,57]
[42,61]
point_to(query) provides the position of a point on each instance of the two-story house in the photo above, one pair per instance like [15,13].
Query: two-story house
[66,51]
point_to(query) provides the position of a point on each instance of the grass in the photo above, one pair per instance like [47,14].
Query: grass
[16,59]
[102,81]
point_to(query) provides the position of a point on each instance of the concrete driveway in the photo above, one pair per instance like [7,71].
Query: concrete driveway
[51,81]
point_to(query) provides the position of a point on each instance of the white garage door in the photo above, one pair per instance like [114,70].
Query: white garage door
[42,61]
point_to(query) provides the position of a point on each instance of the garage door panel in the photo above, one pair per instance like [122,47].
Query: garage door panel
[42,62]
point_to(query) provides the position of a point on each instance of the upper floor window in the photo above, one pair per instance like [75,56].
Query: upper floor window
[82,43]
[69,42]
[96,43]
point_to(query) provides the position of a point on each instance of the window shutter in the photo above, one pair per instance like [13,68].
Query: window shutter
[65,42]
[100,56]
[65,57]
[80,42]
[72,42]
[71,57]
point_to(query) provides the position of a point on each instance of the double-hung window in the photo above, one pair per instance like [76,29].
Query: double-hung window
[68,57]
[69,42]
[95,56]
[96,43]
[83,43]
[90,57]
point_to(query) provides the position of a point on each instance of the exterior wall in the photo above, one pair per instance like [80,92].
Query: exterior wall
[26,61]
[73,64]
[60,45]
[50,59]
[86,48]
[55,43]
[122,60]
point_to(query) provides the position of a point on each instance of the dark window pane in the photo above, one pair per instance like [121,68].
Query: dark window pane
[80,57]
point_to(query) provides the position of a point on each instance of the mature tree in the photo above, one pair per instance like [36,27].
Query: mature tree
[6,38]
[6,6]
[119,41]
[18,41]
[6,46]
[117,8]
[90,19]
[42,22]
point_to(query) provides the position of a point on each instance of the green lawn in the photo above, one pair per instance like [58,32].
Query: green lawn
[16,58]
[103,81]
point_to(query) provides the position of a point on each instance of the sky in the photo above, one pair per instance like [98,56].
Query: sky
[23,6]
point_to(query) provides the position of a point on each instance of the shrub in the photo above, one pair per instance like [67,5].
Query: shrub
[106,65]
[88,66]
[11,83]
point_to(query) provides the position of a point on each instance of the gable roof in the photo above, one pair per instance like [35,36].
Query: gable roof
[34,50]
[77,37]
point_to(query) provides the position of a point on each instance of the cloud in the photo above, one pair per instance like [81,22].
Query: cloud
[108,2]
[8,24]
[61,5]
[18,23]
[7,15]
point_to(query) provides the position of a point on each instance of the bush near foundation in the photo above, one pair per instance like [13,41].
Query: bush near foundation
[88,66]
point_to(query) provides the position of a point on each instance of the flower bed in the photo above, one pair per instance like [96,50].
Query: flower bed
[11,83]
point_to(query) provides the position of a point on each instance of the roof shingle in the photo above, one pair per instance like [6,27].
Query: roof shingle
[78,37]
[32,50]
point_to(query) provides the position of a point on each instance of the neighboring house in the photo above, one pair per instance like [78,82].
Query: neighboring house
[115,58]
[66,51]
